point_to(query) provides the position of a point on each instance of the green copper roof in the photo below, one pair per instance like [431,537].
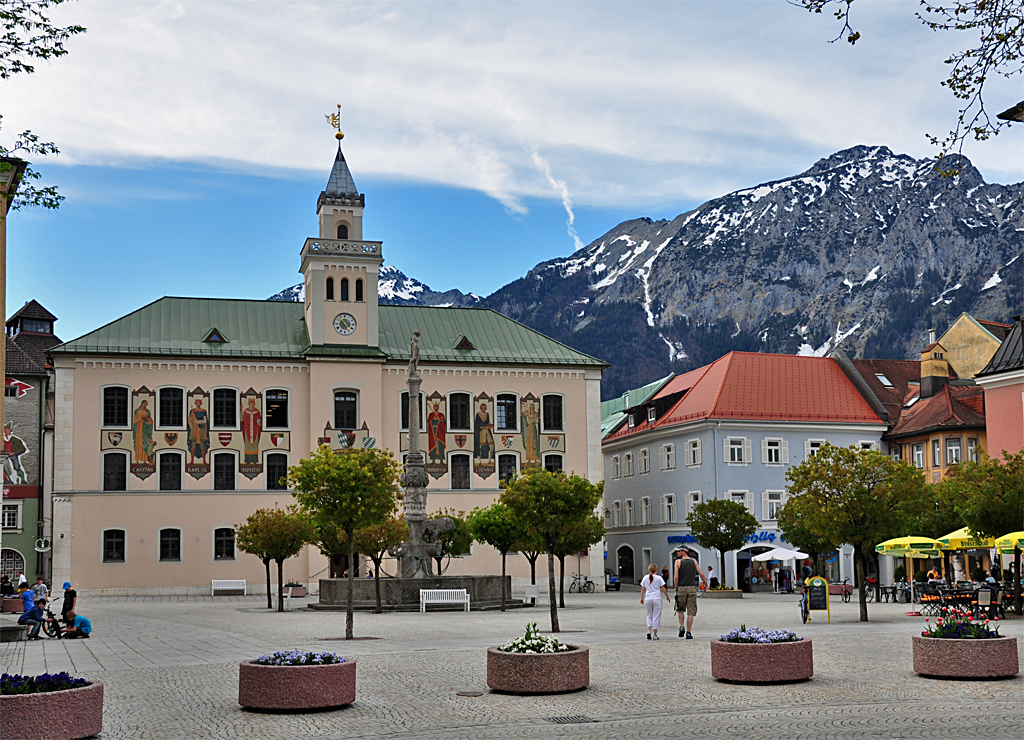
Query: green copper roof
[180,326]
[613,411]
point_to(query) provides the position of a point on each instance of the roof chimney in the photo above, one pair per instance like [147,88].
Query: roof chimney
[931,336]
[934,369]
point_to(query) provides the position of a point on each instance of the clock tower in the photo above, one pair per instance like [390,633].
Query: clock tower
[339,268]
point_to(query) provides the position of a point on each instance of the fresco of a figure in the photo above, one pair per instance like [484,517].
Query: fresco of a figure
[483,436]
[437,435]
[529,418]
[252,429]
[198,431]
[142,434]
[14,448]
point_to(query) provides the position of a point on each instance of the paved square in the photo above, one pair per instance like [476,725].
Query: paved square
[170,670]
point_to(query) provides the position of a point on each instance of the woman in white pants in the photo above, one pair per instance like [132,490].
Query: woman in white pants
[652,587]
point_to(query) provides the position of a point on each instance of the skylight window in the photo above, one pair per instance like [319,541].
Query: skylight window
[883,380]
[911,402]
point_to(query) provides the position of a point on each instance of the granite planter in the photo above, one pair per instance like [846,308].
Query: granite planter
[53,715]
[732,594]
[547,673]
[12,606]
[752,662]
[941,657]
[271,687]
[298,592]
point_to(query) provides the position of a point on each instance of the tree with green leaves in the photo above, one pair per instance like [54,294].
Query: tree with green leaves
[992,31]
[545,504]
[721,524]
[793,525]
[456,542]
[532,547]
[251,538]
[576,537]
[990,498]
[859,498]
[352,489]
[375,541]
[275,534]
[29,35]
[494,526]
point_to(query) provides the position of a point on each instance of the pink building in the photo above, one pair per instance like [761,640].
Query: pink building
[1003,381]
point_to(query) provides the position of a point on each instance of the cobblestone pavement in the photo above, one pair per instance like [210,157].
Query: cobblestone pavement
[170,668]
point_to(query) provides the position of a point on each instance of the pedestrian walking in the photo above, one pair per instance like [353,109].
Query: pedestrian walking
[653,586]
[687,570]
[712,578]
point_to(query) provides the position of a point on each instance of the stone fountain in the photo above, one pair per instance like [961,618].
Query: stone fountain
[416,557]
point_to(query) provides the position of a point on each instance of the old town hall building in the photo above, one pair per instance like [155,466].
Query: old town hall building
[175,422]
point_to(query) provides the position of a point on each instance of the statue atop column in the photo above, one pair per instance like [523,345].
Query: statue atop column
[418,553]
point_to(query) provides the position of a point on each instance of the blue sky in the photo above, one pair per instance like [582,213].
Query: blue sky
[194,145]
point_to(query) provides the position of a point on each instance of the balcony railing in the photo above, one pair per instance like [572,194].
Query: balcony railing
[341,246]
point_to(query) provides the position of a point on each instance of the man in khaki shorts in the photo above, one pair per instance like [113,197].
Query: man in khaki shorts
[687,570]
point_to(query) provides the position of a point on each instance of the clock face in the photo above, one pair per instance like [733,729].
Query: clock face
[344,324]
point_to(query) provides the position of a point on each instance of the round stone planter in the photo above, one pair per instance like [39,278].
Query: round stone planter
[751,662]
[551,673]
[54,715]
[734,594]
[275,687]
[939,657]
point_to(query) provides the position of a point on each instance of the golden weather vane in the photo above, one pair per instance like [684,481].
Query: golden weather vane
[335,120]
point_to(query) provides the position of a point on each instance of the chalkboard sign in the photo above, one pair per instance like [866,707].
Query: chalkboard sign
[817,594]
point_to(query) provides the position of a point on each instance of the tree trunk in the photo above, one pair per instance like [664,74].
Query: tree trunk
[561,584]
[533,568]
[503,554]
[860,567]
[270,591]
[280,584]
[721,572]
[551,592]
[376,581]
[351,584]
[878,578]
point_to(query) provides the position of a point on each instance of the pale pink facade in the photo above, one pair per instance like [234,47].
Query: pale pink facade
[1004,412]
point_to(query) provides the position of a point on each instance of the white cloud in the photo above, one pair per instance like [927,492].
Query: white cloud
[632,104]
[560,188]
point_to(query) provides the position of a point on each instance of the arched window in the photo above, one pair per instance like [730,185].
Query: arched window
[343,231]
[344,289]
[330,289]
[344,410]
[359,290]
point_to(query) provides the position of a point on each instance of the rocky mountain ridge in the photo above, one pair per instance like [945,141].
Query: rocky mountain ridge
[867,248]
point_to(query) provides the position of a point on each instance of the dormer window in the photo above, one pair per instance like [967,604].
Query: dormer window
[651,415]
[343,231]
[215,336]
[632,421]
[330,289]
[344,289]
[35,325]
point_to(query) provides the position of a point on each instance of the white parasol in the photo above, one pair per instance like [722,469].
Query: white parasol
[780,553]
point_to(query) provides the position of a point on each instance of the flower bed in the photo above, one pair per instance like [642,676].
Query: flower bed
[536,664]
[958,646]
[761,656]
[297,680]
[49,707]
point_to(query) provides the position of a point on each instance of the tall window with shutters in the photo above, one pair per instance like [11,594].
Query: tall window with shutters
[771,502]
[774,451]
[629,512]
[737,451]
[645,511]
[692,500]
[692,453]
[644,461]
[616,467]
[811,447]
[627,464]
[667,456]
[617,514]
[668,508]
[743,497]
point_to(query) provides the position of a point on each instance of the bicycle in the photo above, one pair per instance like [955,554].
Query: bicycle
[51,625]
[846,591]
[581,584]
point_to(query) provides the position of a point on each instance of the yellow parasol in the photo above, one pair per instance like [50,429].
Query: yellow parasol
[911,547]
[963,539]
[1006,543]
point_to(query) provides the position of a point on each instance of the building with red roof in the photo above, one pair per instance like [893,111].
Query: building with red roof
[731,430]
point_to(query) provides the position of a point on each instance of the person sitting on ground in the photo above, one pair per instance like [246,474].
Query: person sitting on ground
[80,627]
[33,619]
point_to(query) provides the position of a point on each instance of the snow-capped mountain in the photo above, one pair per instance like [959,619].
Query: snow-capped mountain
[867,248]
[395,288]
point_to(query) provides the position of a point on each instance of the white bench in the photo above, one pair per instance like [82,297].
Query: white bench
[226,585]
[443,596]
[532,593]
